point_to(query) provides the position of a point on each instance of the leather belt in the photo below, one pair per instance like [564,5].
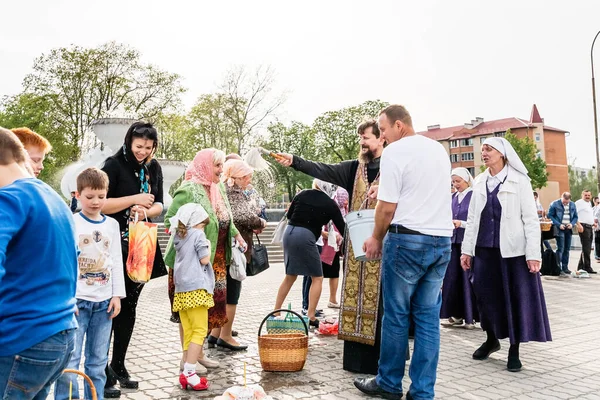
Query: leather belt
[403,230]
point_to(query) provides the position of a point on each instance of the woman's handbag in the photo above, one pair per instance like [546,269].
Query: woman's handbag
[259,260]
[280,230]
[142,250]
[237,269]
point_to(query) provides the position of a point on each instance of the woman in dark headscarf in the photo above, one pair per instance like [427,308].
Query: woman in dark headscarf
[135,187]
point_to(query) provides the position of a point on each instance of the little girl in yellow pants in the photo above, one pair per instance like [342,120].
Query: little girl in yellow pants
[194,280]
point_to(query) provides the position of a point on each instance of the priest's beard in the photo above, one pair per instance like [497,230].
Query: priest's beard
[366,157]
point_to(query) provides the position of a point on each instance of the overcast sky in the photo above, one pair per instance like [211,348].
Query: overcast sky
[446,61]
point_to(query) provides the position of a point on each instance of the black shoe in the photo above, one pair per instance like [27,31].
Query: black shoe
[514,364]
[111,392]
[234,333]
[314,322]
[225,345]
[369,386]
[408,396]
[123,378]
[590,271]
[212,341]
[484,351]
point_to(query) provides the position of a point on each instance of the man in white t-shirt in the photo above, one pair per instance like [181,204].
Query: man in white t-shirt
[585,211]
[414,215]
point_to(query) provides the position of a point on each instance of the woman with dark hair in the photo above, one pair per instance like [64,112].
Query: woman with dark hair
[135,187]
[309,211]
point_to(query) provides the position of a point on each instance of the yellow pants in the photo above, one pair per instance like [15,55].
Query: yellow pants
[195,325]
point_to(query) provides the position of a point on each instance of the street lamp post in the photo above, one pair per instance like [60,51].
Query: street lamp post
[595,114]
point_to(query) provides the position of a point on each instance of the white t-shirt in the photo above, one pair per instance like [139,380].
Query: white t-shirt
[414,174]
[100,276]
[585,212]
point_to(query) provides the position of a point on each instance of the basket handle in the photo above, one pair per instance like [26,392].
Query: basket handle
[87,379]
[284,310]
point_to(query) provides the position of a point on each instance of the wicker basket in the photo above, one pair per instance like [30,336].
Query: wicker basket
[283,352]
[87,379]
[546,226]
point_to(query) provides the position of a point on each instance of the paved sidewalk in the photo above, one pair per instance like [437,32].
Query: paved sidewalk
[567,368]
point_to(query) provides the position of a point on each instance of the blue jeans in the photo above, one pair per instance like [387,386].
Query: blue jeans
[563,246]
[413,269]
[95,325]
[31,373]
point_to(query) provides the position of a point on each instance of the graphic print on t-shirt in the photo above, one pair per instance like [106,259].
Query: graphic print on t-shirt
[93,257]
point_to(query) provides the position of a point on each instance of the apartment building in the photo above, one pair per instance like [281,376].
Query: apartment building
[463,144]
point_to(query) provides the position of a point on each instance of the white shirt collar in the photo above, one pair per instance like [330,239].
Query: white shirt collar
[461,195]
[493,181]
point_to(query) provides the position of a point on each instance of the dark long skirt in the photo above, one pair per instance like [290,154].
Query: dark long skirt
[510,299]
[458,298]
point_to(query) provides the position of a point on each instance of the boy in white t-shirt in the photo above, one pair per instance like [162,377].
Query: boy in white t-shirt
[100,283]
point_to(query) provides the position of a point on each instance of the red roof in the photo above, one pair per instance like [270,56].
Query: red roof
[486,128]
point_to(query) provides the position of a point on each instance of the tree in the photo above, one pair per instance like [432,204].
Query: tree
[84,84]
[580,180]
[37,113]
[336,137]
[528,153]
[297,139]
[248,102]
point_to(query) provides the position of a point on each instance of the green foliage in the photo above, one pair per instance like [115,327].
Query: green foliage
[297,139]
[528,153]
[37,113]
[336,138]
[578,182]
[84,84]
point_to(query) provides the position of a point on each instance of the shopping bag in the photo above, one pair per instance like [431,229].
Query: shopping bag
[259,260]
[289,324]
[237,269]
[142,249]
[280,230]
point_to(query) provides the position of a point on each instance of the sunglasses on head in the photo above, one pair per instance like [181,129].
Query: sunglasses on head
[143,130]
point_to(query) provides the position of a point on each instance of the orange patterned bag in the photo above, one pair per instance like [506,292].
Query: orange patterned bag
[142,249]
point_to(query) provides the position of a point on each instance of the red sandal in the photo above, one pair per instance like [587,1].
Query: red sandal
[185,385]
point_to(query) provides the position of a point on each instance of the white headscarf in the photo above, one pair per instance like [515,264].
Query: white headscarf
[190,215]
[329,189]
[509,153]
[464,174]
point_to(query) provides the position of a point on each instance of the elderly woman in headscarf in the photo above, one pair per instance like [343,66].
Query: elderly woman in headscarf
[309,211]
[458,299]
[202,185]
[502,245]
[237,177]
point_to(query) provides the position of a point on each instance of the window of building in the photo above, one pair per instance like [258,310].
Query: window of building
[482,139]
[453,157]
[466,142]
[467,157]
[500,134]
[453,144]
[538,138]
[471,170]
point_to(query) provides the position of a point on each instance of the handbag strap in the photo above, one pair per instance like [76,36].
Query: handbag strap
[257,238]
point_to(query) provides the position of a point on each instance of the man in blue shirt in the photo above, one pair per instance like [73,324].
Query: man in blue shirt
[38,271]
[563,214]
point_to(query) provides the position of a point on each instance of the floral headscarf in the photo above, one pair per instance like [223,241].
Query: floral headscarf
[235,169]
[200,171]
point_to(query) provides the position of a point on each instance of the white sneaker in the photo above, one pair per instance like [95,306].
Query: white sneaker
[469,326]
[333,305]
[208,363]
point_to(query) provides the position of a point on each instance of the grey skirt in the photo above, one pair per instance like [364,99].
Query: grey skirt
[300,252]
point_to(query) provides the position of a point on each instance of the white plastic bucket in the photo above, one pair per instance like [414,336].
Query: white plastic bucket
[360,226]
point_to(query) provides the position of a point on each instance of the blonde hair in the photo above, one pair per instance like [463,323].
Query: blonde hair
[182,230]
[218,156]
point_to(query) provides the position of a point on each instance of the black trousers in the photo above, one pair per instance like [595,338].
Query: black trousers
[597,245]
[586,247]
[123,325]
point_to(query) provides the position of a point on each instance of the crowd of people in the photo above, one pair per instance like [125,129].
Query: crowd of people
[472,257]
